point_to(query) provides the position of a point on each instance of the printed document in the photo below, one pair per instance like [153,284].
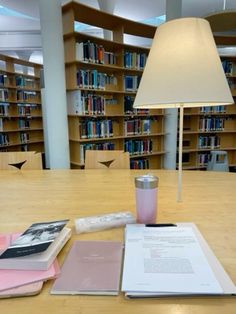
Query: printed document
[166,260]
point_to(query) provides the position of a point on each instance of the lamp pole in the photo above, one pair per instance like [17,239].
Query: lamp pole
[181,117]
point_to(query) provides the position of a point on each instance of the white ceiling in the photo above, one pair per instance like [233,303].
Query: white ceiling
[137,10]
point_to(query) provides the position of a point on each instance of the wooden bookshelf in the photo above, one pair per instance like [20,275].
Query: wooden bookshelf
[21,127]
[207,129]
[105,73]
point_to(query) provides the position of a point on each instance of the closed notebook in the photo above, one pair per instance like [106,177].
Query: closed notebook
[22,291]
[15,278]
[91,267]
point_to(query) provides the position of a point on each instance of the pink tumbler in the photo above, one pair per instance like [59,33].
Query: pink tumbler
[146,198]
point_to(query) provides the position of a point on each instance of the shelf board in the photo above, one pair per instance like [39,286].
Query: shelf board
[21,130]
[101,91]
[22,88]
[19,144]
[20,116]
[211,114]
[35,77]
[98,139]
[109,44]
[105,67]
[196,150]
[92,16]
[116,115]
[208,132]
[20,102]
[148,155]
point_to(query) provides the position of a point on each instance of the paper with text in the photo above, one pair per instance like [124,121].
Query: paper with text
[166,259]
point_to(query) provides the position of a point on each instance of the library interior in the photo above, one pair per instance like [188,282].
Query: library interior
[118,156]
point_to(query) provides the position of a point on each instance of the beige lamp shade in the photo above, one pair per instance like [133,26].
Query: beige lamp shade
[183,68]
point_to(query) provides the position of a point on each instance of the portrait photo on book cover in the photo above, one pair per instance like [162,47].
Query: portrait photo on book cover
[35,239]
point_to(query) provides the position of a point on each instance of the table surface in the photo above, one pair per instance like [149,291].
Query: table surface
[209,200]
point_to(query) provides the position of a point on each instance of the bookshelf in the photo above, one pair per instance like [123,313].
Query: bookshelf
[21,126]
[102,78]
[211,128]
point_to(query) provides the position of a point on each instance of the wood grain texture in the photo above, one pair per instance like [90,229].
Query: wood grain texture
[20,160]
[106,159]
[209,200]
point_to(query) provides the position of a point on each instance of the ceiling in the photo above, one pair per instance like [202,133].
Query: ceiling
[26,23]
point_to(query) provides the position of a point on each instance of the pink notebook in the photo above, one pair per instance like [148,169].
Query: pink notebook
[22,291]
[10,278]
[91,267]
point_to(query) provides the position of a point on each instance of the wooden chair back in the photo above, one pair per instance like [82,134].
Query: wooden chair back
[20,160]
[106,159]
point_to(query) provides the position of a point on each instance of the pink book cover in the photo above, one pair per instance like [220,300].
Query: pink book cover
[10,278]
[91,267]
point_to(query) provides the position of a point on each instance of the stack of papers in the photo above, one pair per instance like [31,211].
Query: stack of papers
[171,261]
[29,259]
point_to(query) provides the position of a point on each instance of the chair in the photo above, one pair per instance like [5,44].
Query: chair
[20,160]
[218,161]
[104,159]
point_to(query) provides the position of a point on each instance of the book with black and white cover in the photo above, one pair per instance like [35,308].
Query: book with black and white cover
[37,238]
[38,261]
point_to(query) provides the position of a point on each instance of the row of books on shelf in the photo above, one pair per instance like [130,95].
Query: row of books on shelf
[24,138]
[128,107]
[131,82]
[213,109]
[91,128]
[20,95]
[138,147]
[88,51]
[211,124]
[94,146]
[229,67]
[4,139]
[209,141]
[93,79]
[135,60]
[139,163]
[91,52]
[18,81]
[29,258]
[21,109]
[22,123]
[231,82]
[96,129]
[137,126]
[203,158]
[86,103]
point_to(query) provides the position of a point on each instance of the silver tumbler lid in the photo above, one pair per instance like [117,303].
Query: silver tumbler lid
[146,181]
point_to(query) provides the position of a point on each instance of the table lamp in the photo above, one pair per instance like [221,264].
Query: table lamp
[183,69]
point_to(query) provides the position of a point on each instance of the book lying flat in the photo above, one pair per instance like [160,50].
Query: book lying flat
[37,238]
[11,278]
[91,267]
[171,261]
[39,261]
[22,291]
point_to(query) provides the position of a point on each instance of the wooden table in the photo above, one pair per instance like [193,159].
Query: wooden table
[209,200]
